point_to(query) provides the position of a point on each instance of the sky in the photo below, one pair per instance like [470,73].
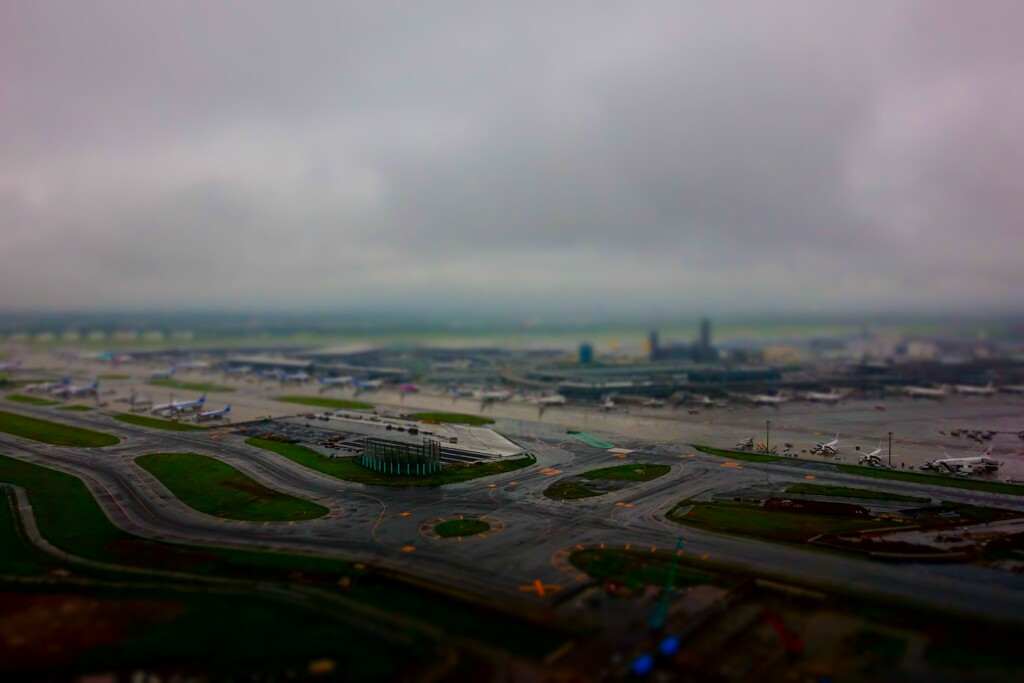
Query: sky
[676,157]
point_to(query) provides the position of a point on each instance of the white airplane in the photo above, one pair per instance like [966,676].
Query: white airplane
[1012,389]
[299,377]
[767,399]
[925,392]
[10,365]
[553,400]
[194,365]
[180,406]
[702,401]
[832,396]
[609,405]
[334,381]
[873,458]
[965,466]
[242,370]
[46,387]
[72,391]
[367,384]
[164,374]
[826,448]
[969,389]
[493,395]
[213,414]
[456,391]
[655,403]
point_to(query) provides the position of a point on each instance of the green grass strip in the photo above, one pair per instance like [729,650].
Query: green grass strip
[635,472]
[156,423]
[572,490]
[850,492]
[17,555]
[934,480]
[190,386]
[737,455]
[347,468]
[81,409]
[216,488]
[636,569]
[455,418]
[53,432]
[31,400]
[751,520]
[338,403]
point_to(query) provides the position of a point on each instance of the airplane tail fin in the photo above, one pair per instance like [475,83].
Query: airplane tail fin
[228,409]
[96,384]
[202,399]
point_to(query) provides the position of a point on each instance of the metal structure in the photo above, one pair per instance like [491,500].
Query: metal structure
[400,457]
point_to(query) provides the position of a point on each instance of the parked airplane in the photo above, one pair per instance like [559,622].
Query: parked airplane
[969,389]
[213,414]
[609,405]
[72,391]
[46,387]
[334,381]
[194,365]
[767,399]
[298,377]
[832,396]
[872,459]
[964,466]
[367,384]
[655,403]
[489,396]
[926,392]
[552,400]
[827,448]
[10,365]
[242,370]
[164,374]
[180,406]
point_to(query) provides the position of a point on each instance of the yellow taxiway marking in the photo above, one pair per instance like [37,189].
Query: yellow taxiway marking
[729,464]
[653,548]
[809,476]
[513,483]
[408,548]
[405,514]
[619,455]
[627,546]
[704,556]
[602,546]
[539,588]
[491,486]
[548,471]
[579,547]
[620,503]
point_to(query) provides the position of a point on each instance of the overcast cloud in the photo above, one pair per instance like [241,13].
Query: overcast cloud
[673,156]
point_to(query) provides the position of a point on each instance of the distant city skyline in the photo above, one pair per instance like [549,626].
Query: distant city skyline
[530,159]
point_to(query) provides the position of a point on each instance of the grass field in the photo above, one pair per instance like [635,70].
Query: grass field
[79,408]
[751,520]
[635,472]
[737,455]
[934,480]
[461,527]
[70,518]
[17,556]
[53,432]
[636,569]
[216,488]
[456,418]
[850,492]
[156,423]
[31,400]
[190,386]
[348,469]
[570,489]
[338,403]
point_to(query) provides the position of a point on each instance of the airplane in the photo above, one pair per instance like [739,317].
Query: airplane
[553,400]
[164,374]
[299,377]
[10,365]
[655,403]
[72,391]
[409,388]
[47,387]
[270,374]
[336,381]
[827,448]
[456,391]
[608,405]
[213,414]
[964,466]
[1012,389]
[987,390]
[832,396]
[702,401]
[245,369]
[489,396]
[367,384]
[925,392]
[180,406]
[872,459]
[767,399]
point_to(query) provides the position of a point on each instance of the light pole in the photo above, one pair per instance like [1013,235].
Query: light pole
[768,435]
[890,450]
